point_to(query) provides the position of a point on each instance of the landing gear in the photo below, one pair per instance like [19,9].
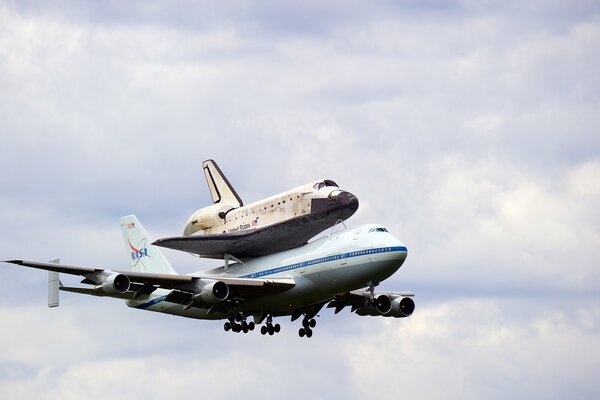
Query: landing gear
[370,300]
[307,324]
[237,323]
[305,331]
[269,327]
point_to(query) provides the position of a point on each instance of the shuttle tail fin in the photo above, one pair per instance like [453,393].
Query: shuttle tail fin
[143,256]
[221,190]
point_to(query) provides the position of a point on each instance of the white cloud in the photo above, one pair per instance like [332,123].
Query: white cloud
[468,129]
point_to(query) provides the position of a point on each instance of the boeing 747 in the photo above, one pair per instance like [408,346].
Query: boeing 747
[339,270]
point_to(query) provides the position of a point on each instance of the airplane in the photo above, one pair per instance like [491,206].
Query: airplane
[339,270]
[228,229]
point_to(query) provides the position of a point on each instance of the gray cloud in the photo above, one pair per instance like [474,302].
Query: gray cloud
[468,129]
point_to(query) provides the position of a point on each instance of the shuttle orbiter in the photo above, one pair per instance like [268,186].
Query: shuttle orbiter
[281,222]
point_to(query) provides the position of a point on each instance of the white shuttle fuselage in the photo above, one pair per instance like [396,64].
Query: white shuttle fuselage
[274,224]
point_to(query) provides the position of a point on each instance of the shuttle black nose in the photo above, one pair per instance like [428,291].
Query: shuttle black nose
[347,199]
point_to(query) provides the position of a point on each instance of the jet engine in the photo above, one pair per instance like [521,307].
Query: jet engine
[398,307]
[401,307]
[212,292]
[114,284]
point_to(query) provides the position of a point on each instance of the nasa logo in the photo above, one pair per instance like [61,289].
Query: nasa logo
[139,253]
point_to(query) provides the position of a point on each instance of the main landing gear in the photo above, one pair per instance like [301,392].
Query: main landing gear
[269,327]
[237,323]
[307,324]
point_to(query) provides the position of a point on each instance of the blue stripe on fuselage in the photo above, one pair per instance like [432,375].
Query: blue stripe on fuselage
[321,260]
[151,302]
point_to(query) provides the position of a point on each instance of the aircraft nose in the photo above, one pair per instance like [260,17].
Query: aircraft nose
[347,199]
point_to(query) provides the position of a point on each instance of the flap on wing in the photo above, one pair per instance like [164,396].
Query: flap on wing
[91,292]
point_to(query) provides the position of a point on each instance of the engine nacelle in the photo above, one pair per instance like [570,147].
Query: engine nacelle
[401,307]
[389,306]
[212,292]
[381,306]
[114,284]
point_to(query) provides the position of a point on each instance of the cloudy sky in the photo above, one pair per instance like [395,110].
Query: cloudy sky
[470,129]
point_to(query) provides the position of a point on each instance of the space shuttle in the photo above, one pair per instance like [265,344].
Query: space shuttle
[228,228]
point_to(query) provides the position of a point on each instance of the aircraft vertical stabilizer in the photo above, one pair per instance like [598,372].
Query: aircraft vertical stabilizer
[143,256]
[221,190]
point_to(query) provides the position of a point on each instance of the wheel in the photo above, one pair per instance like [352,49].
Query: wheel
[301,332]
[309,332]
[245,328]
[263,330]
[277,328]
[271,330]
[244,325]
[305,322]
[313,323]
[227,326]
[251,326]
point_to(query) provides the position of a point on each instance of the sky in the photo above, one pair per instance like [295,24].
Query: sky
[469,129]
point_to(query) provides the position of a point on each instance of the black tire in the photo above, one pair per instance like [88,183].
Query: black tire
[251,326]
[305,323]
[263,330]
[313,323]
[309,333]
[277,328]
[271,330]
[227,326]
[301,332]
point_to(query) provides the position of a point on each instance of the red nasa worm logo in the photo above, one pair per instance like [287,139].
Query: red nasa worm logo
[138,253]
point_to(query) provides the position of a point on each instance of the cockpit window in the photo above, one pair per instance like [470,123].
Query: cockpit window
[378,230]
[325,183]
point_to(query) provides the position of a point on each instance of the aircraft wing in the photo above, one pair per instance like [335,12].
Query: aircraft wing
[249,243]
[182,286]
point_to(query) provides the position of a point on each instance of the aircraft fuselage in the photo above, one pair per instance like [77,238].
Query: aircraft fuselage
[310,203]
[334,264]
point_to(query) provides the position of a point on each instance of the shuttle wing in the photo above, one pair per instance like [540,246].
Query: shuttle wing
[250,243]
